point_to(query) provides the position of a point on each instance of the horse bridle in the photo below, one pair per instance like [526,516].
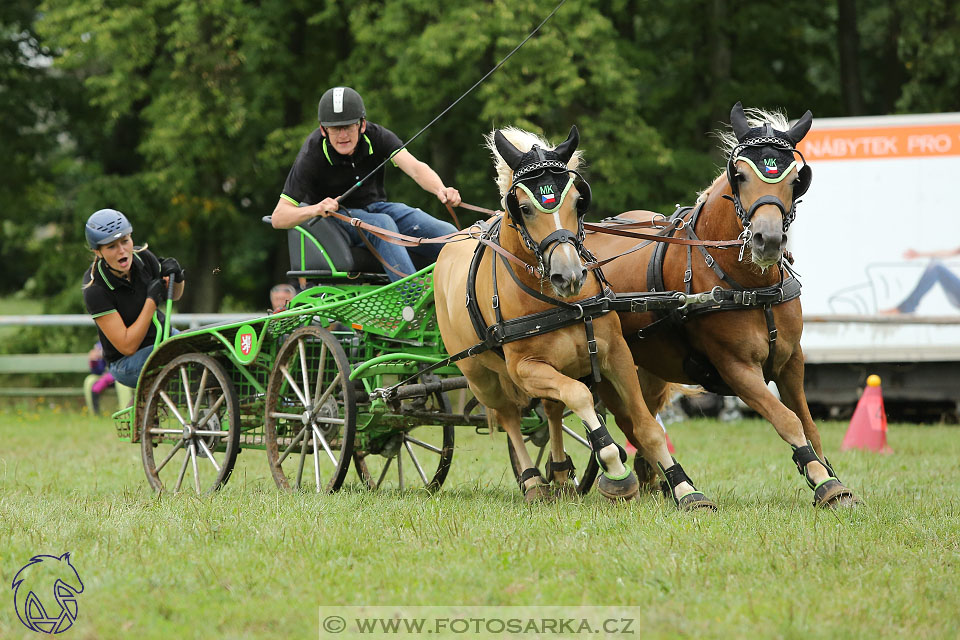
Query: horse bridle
[804,177]
[549,244]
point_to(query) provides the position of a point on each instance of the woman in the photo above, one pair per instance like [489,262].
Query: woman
[122,289]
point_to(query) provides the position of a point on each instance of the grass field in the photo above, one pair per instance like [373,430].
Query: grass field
[254,563]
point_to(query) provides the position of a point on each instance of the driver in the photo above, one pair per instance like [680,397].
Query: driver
[122,289]
[340,152]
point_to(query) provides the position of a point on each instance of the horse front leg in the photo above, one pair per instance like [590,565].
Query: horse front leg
[746,380]
[543,381]
[620,372]
[790,384]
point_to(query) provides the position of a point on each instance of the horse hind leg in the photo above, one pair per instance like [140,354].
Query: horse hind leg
[531,480]
[559,466]
[647,475]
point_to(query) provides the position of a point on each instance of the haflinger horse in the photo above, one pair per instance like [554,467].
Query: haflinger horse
[749,332]
[524,344]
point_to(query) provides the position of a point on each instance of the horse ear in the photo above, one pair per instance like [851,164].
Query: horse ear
[800,129]
[739,121]
[510,154]
[566,148]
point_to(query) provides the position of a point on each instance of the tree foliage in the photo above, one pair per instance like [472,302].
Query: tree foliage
[187,114]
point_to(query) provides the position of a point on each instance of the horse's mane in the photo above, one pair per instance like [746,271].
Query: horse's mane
[524,141]
[728,141]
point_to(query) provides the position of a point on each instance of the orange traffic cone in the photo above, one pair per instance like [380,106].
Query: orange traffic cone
[868,427]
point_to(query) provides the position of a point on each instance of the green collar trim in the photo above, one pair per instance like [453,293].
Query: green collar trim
[783,174]
[102,274]
[536,201]
[326,149]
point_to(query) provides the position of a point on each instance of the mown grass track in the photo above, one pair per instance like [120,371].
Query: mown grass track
[255,563]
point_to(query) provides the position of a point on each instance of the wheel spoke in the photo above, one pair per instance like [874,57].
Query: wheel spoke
[416,463]
[170,455]
[185,379]
[400,470]
[293,384]
[173,408]
[209,454]
[383,473]
[290,447]
[326,446]
[209,433]
[316,461]
[425,445]
[576,436]
[327,392]
[288,416]
[302,348]
[203,387]
[321,367]
[330,420]
[158,432]
[211,411]
[303,458]
[193,462]
[183,471]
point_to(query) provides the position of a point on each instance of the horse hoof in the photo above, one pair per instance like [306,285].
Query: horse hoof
[694,501]
[537,493]
[623,489]
[832,494]
[565,491]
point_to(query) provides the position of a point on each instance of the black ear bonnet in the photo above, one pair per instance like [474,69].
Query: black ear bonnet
[544,176]
[771,154]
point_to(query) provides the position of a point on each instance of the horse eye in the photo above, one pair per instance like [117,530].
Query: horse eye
[740,177]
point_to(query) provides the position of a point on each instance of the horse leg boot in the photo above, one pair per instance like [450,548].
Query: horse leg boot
[790,383]
[647,475]
[648,435]
[558,473]
[747,382]
[541,380]
[531,481]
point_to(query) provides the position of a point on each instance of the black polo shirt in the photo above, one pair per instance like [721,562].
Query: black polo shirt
[109,293]
[320,172]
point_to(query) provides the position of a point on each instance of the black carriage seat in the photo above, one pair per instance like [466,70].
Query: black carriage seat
[342,261]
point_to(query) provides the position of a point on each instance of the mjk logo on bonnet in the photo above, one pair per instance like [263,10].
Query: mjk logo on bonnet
[546,195]
[770,166]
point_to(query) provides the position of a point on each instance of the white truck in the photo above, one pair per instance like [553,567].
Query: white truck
[881,185]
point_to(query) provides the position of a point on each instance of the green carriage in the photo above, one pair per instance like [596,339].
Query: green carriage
[308,386]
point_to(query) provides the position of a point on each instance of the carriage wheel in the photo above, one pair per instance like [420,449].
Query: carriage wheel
[411,458]
[190,433]
[311,413]
[575,444]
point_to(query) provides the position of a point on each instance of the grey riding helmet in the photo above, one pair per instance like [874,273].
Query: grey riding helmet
[105,226]
[340,106]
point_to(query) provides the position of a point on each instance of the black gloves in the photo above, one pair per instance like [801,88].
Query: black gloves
[157,291]
[170,267]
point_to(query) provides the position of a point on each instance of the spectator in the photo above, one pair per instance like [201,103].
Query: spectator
[280,296]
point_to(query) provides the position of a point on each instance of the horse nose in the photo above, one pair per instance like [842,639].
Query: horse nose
[763,245]
[568,283]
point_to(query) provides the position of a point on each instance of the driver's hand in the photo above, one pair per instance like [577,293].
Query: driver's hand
[327,206]
[449,195]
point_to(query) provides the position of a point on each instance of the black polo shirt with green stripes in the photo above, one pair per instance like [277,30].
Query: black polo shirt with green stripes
[109,293]
[320,172]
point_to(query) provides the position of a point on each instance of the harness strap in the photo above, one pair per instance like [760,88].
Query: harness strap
[592,349]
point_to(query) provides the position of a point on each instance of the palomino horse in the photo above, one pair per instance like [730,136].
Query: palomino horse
[535,346]
[750,332]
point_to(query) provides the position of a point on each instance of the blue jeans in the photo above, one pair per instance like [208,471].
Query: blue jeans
[398,217]
[934,273]
[127,369]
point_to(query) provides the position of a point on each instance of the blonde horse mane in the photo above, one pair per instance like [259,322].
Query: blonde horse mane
[728,141]
[524,141]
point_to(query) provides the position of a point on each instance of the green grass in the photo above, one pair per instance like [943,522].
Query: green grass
[254,563]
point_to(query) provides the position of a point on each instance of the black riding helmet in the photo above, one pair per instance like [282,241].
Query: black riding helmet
[340,106]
